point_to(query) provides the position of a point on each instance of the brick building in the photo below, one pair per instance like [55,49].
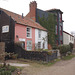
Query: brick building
[35,12]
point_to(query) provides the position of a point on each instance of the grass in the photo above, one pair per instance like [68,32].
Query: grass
[51,63]
[68,57]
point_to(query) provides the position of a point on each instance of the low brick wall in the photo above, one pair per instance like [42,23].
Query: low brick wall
[2,51]
[35,55]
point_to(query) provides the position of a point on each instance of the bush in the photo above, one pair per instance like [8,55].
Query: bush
[71,46]
[64,49]
[5,73]
[6,69]
[11,55]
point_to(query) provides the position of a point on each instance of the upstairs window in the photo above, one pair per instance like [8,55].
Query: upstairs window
[56,29]
[39,33]
[60,17]
[28,32]
[60,30]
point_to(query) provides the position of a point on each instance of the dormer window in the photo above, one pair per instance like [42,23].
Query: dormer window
[28,32]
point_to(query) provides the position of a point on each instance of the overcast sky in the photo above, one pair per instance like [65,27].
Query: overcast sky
[66,6]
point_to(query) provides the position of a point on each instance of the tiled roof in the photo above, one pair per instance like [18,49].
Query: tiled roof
[23,20]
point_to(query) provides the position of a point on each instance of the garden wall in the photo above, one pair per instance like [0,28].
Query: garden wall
[2,51]
[35,55]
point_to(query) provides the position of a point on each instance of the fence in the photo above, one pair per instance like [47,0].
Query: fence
[2,51]
[35,55]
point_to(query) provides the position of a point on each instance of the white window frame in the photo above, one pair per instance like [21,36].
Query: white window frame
[29,32]
[5,29]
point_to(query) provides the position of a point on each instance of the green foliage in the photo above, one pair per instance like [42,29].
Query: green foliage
[68,57]
[64,48]
[6,69]
[71,46]
[49,23]
[11,55]
[5,73]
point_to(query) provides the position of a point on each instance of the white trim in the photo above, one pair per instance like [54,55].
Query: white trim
[5,29]
[21,39]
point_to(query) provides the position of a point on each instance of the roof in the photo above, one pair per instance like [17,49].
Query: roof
[23,20]
[54,10]
[68,33]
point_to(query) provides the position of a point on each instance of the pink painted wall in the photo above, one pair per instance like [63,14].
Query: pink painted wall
[20,30]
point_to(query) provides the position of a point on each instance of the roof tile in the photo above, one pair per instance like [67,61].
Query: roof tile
[25,21]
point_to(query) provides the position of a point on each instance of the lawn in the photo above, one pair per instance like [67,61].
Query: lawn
[68,57]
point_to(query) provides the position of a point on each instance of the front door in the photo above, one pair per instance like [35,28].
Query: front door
[29,45]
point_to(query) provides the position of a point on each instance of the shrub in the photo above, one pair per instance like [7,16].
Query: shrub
[49,52]
[11,55]
[64,49]
[54,47]
[69,53]
[6,69]
[5,73]
[71,46]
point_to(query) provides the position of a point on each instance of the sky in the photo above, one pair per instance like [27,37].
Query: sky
[66,6]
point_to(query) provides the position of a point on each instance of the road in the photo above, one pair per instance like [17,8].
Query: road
[59,68]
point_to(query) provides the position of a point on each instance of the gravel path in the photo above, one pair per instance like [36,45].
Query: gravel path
[60,68]
[17,64]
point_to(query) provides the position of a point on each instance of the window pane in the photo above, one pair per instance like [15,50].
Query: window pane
[28,32]
[39,34]
[0,11]
[39,45]
[28,29]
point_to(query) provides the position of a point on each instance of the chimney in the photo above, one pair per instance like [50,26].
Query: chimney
[33,6]
[22,15]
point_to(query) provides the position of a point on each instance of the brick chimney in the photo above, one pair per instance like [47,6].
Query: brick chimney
[33,6]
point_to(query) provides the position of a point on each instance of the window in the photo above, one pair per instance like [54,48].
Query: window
[5,29]
[61,42]
[28,32]
[29,45]
[39,33]
[0,11]
[56,29]
[39,45]
[70,37]
[60,18]
[60,30]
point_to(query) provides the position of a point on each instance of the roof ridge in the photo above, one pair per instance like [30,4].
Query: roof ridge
[36,23]
[10,11]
